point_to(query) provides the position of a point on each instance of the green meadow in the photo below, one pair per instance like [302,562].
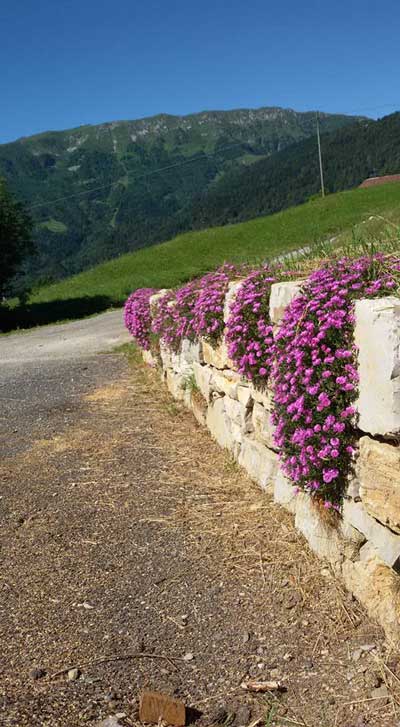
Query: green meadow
[191,254]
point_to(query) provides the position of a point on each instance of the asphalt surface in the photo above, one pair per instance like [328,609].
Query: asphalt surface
[45,371]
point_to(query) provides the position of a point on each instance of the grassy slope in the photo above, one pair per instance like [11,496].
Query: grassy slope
[188,255]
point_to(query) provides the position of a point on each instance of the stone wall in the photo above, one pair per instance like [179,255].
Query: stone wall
[362,545]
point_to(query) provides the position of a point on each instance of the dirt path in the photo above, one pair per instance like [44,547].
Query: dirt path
[127,535]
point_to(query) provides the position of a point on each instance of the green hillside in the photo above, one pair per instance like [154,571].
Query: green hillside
[185,256]
[188,255]
[133,204]
[350,155]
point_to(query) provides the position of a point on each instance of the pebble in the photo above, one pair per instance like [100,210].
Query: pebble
[111,721]
[111,695]
[219,716]
[37,673]
[188,657]
[243,715]
[368,647]
[73,675]
[380,692]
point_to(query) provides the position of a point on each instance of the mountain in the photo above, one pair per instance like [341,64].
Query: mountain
[97,191]
[289,177]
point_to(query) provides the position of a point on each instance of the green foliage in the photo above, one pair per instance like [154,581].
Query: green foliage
[195,253]
[15,237]
[291,177]
[190,384]
[53,225]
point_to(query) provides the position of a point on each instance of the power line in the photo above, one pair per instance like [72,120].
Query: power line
[139,176]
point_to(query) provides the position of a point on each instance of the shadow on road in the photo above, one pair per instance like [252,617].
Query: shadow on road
[39,314]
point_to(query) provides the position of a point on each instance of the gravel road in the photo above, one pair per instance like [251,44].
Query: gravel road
[134,550]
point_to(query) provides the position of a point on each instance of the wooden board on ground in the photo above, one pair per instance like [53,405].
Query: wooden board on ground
[154,706]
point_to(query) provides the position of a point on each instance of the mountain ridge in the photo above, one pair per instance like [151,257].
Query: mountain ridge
[178,117]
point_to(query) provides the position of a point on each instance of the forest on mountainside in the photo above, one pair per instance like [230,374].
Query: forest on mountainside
[97,191]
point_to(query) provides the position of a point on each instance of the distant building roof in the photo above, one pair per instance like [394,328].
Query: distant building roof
[372,181]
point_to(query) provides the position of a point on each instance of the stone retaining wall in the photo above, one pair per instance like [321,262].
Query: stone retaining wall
[363,545]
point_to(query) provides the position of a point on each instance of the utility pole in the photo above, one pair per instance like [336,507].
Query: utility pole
[321,171]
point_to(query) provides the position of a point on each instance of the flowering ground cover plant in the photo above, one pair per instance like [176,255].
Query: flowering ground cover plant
[315,374]
[249,333]
[312,356]
[209,309]
[195,310]
[137,316]
[174,316]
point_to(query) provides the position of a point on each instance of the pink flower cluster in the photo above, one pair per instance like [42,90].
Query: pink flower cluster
[195,310]
[249,332]
[311,358]
[174,317]
[137,317]
[315,375]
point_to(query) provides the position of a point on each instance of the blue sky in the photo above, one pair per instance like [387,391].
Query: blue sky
[71,62]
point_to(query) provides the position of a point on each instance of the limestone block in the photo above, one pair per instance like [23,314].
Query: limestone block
[219,424]
[170,359]
[353,487]
[259,461]
[281,295]
[176,385]
[237,413]
[386,543]
[187,396]
[226,382]
[262,425]
[154,299]
[237,436]
[284,493]
[377,587]
[328,538]
[244,395]
[166,356]
[198,406]
[202,377]
[230,297]
[263,396]
[377,336]
[217,356]
[191,351]
[379,475]
[148,358]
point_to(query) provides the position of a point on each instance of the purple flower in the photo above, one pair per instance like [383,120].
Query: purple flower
[137,316]
[314,373]
[249,333]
